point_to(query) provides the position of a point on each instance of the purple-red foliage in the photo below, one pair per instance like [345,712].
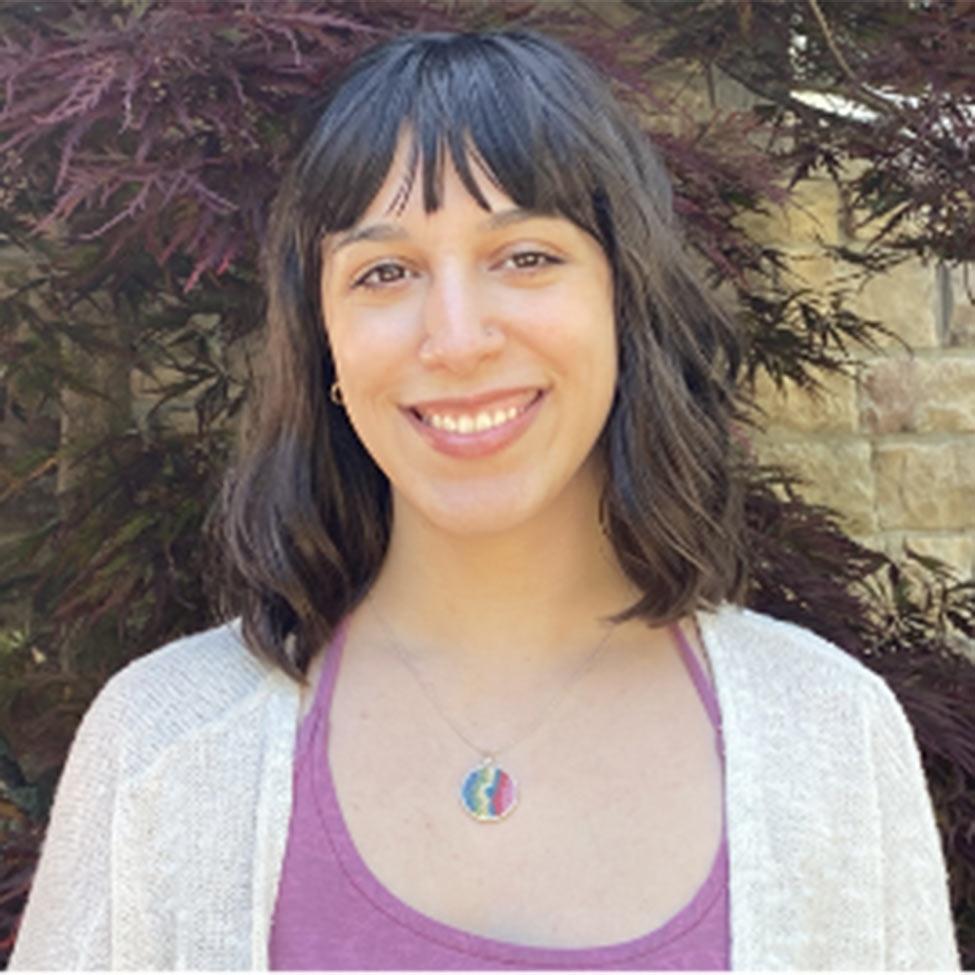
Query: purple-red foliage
[172,120]
[908,69]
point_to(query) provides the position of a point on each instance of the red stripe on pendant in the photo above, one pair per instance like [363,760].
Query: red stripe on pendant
[502,792]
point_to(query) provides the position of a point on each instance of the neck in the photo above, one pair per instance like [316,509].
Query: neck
[522,600]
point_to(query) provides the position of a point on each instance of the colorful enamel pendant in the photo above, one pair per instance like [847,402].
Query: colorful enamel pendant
[488,792]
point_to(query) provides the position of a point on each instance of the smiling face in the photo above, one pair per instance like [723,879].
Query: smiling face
[476,351]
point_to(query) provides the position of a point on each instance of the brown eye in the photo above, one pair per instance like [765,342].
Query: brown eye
[376,277]
[532,260]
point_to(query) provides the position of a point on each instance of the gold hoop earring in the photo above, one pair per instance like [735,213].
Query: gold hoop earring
[335,394]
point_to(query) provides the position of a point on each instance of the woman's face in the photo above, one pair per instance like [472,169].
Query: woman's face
[476,351]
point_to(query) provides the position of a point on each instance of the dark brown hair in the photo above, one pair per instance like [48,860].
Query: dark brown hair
[304,518]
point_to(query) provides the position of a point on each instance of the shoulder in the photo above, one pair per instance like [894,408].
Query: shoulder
[802,717]
[745,638]
[824,782]
[178,690]
[779,666]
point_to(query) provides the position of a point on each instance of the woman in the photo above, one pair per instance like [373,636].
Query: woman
[502,707]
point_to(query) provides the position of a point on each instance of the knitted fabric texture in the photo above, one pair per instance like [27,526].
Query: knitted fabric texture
[168,831]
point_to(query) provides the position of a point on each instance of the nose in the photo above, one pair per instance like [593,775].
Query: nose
[458,334]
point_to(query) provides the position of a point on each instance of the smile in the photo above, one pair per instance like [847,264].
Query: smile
[475,434]
[465,423]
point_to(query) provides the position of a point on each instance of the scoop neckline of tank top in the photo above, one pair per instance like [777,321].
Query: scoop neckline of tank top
[361,876]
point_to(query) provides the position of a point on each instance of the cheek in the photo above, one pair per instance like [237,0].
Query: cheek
[368,348]
[363,339]
[575,329]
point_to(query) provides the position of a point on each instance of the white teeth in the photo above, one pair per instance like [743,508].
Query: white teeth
[472,424]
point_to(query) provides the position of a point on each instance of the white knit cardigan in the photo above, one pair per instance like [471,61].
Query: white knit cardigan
[168,831]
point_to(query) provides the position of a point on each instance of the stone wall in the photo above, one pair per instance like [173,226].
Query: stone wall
[891,447]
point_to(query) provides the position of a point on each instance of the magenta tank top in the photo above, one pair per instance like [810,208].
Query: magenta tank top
[332,913]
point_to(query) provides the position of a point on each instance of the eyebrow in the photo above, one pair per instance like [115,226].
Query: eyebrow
[391,231]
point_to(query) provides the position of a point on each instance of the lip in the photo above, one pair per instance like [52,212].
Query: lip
[498,398]
[469,445]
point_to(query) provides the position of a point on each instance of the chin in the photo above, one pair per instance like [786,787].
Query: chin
[465,512]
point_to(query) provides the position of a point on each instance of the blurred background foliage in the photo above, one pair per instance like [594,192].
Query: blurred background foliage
[140,144]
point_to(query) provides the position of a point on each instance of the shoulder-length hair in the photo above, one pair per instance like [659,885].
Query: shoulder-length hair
[304,516]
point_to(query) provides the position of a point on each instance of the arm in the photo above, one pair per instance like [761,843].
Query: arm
[919,931]
[67,922]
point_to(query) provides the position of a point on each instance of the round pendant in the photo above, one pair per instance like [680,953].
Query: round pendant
[488,792]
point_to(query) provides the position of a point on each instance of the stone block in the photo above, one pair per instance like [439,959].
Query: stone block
[956,550]
[889,396]
[811,214]
[832,409]
[877,541]
[959,312]
[947,400]
[836,473]
[926,485]
[931,395]
[814,268]
[905,300]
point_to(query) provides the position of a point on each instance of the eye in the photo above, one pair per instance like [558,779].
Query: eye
[532,260]
[381,274]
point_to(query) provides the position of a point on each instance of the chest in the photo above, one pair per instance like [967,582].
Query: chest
[617,824]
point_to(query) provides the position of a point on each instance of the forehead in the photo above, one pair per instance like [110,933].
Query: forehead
[401,198]
[402,191]
[485,178]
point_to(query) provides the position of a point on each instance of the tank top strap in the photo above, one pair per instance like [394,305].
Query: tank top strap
[330,665]
[701,683]
[321,704]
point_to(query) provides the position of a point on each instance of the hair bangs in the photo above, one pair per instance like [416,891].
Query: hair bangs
[473,100]
[463,97]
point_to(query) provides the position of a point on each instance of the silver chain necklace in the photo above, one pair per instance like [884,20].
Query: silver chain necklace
[488,793]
